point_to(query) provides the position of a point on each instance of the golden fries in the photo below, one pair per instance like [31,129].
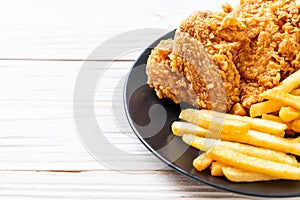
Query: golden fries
[248,149]
[206,144]
[216,169]
[290,83]
[203,144]
[258,109]
[284,94]
[216,122]
[276,119]
[283,97]
[267,126]
[239,175]
[181,128]
[265,140]
[296,125]
[202,162]
[296,92]
[273,118]
[253,164]
[288,114]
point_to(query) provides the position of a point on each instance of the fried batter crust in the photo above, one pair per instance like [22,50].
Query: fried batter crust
[254,46]
[168,84]
[271,51]
[208,29]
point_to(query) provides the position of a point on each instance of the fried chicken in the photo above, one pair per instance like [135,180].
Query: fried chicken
[245,51]
[206,61]
[271,51]
[168,84]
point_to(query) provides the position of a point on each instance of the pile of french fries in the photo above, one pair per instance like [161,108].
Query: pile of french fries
[247,149]
[282,105]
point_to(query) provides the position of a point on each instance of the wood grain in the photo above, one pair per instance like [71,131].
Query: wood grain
[72,29]
[106,185]
[37,126]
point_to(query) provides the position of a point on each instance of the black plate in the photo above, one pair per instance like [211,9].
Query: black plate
[151,119]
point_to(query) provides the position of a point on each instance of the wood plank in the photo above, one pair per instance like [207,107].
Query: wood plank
[105,185]
[36,122]
[72,30]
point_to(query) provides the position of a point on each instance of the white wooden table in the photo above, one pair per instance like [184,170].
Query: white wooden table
[43,46]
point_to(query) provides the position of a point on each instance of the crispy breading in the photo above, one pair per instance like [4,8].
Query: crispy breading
[211,64]
[253,46]
[271,51]
[168,84]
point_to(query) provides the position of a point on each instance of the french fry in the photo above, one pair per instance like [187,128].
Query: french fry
[180,128]
[216,122]
[256,124]
[264,107]
[203,144]
[206,144]
[295,92]
[263,140]
[283,97]
[248,149]
[202,162]
[216,168]
[239,175]
[296,125]
[254,164]
[288,114]
[276,119]
[290,83]
[267,141]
